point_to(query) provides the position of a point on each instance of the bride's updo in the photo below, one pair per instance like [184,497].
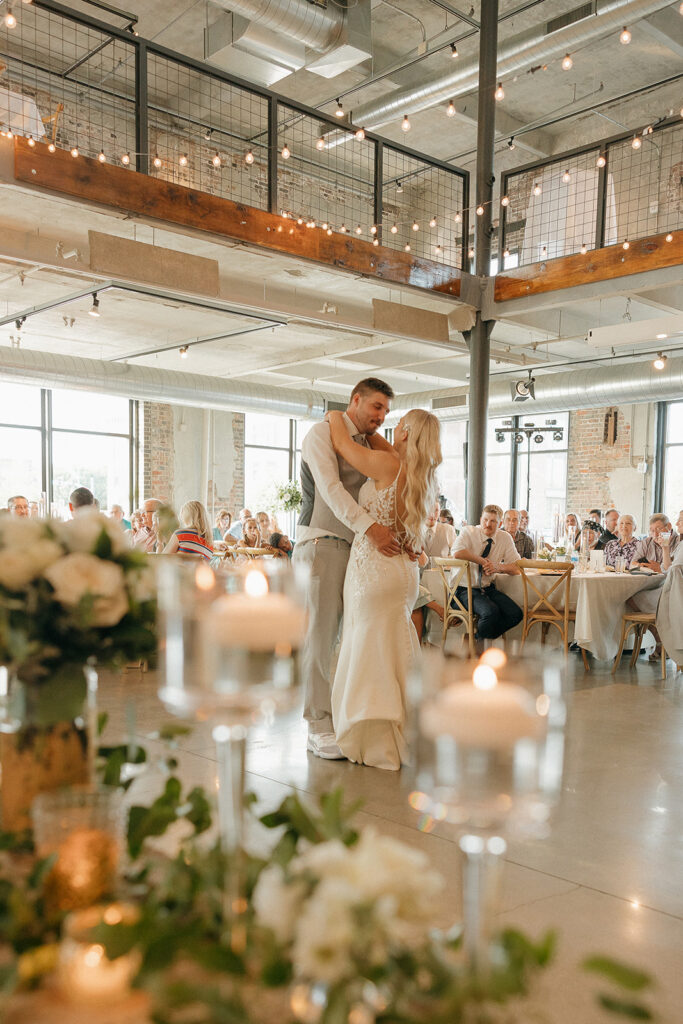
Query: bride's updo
[423,456]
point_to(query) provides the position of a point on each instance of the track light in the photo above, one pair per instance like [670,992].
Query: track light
[360,134]
[660,362]
[20,322]
[405,124]
[286,152]
[566,177]
[157,161]
[95,308]
[450,109]
[74,151]
[601,161]
[101,157]
[625,37]
[125,159]
[249,157]
[523,390]
[567,62]
[182,160]
[184,351]
[454,50]
[499,94]
[636,142]
[511,142]
[320,143]
[505,201]
[207,134]
[339,112]
[215,159]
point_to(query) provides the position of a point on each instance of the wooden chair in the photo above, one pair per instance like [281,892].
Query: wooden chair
[640,622]
[253,552]
[538,606]
[456,572]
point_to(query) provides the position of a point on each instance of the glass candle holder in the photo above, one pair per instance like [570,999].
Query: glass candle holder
[85,973]
[85,827]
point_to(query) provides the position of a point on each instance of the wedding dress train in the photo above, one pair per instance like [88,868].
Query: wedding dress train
[379,643]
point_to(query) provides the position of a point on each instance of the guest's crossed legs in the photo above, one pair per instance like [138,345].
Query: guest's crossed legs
[496,612]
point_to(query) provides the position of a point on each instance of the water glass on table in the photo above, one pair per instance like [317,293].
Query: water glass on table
[620,564]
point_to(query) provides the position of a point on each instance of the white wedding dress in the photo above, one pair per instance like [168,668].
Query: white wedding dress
[378,646]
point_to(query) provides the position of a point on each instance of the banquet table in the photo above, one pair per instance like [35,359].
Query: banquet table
[599,599]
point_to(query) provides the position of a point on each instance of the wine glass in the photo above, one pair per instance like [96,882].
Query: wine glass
[489,738]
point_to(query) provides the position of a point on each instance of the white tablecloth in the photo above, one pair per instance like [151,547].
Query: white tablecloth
[599,600]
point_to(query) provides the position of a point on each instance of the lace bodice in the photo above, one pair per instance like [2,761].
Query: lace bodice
[381,504]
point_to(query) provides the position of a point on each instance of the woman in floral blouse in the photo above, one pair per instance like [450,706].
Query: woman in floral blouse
[625,545]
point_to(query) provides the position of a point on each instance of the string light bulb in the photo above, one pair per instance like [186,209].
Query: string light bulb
[31,141]
[416,226]
[125,159]
[458,218]
[505,201]
[567,62]
[299,220]
[249,157]
[339,112]
[454,51]
[499,94]
[660,362]
[320,143]
[405,123]
[74,151]
[360,134]
[51,147]
[480,210]
[394,229]
[506,253]
[359,230]
[184,351]
[566,177]
[669,238]
[601,161]
[470,253]
[450,109]
[636,142]
[182,160]
[157,161]
[324,225]
[101,157]
[432,222]
[329,231]
[10,20]
[373,229]
[511,142]
[375,241]
[406,247]
[94,310]
[584,249]
[627,244]
[285,152]
[625,37]
[437,250]
[343,229]
[537,189]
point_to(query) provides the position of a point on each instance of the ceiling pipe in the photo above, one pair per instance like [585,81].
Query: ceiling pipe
[317,27]
[593,388]
[148,384]
[516,54]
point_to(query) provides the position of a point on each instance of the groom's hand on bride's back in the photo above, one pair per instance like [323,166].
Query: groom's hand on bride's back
[383,539]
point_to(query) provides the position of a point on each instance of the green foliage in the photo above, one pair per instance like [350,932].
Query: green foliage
[632,979]
[303,823]
[288,497]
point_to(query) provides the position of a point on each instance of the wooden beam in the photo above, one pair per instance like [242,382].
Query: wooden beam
[149,197]
[606,264]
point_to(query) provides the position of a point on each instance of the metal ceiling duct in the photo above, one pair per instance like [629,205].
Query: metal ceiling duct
[314,26]
[47,369]
[559,392]
[517,54]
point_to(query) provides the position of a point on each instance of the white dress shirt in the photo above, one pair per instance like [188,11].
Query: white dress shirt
[318,453]
[502,549]
[439,540]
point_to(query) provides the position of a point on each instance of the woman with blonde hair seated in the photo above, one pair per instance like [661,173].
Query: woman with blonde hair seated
[195,535]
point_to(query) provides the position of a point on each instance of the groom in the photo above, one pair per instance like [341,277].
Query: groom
[330,516]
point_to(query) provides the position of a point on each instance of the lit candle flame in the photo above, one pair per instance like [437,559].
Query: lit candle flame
[484,677]
[494,658]
[204,577]
[256,584]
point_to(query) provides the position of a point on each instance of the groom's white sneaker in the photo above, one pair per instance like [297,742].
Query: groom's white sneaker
[324,744]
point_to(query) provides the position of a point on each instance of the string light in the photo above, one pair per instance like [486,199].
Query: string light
[626,245]
[51,147]
[506,253]
[669,238]
[625,37]
[94,310]
[360,134]
[416,226]
[329,231]
[310,223]
[286,152]
[8,133]
[249,157]
[660,362]
[184,351]
[537,189]
[601,161]
[31,141]
[157,161]
[394,229]
[566,177]
[125,159]
[405,124]
[636,142]
[375,241]
[101,157]
[359,230]
[471,254]
[406,247]
[480,211]
[10,20]
[437,250]
[343,229]
[373,229]
[505,201]
[450,109]
[500,92]
[432,222]
[324,225]
[584,248]
[74,151]
[339,112]
[454,51]
[320,143]
[567,62]
[300,220]
[182,160]
[458,218]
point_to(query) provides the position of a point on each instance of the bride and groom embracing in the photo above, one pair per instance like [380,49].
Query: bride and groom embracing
[365,505]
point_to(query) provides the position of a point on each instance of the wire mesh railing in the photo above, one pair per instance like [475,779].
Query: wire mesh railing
[615,191]
[77,83]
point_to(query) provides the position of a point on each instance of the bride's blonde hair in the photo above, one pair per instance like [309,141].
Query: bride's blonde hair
[423,456]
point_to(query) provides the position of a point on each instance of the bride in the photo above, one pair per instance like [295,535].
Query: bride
[378,639]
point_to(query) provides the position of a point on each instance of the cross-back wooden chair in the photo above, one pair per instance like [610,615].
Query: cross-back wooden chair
[538,606]
[639,622]
[456,572]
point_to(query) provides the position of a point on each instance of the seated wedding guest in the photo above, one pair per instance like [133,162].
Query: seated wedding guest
[282,544]
[522,541]
[446,517]
[625,544]
[274,525]
[18,506]
[118,517]
[237,528]
[164,524]
[144,537]
[493,550]
[595,514]
[251,536]
[572,529]
[194,536]
[81,498]
[609,533]
[649,551]
[523,520]
[264,527]
[223,524]
[668,558]
[34,510]
[439,539]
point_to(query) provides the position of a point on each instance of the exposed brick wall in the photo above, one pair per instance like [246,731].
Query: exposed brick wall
[591,462]
[157,476]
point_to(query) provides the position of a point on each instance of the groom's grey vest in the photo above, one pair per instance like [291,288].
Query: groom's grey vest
[314,511]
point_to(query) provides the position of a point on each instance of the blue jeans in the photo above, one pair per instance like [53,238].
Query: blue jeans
[496,612]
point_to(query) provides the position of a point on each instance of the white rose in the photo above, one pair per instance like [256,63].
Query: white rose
[325,933]
[277,903]
[142,583]
[78,574]
[16,570]
[20,533]
[43,553]
[82,533]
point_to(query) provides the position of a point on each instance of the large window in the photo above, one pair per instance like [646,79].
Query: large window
[54,441]
[272,456]
[498,464]
[541,471]
[452,471]
[672,494]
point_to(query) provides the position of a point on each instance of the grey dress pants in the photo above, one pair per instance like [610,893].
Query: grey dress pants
[327,558]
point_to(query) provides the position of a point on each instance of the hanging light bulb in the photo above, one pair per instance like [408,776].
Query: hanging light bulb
[51,147]
[184,351]
[537,189]
[416,226]
[627,244]
[669,238]
[310,223]
[601,161]
[405,124]
[636,142]
[299,220]
[285,152]
[432,222]
[101,157]
[343,229]
[10,20]
[660,362]
[31,141]
[454,51]
[125,159]
[359,230]
[480,210]
[406,247]
[324,225]
[329,231]
[249,157]
[182,160]
[584,249]
[511,142]
[74,151]
[360,134]
[373,229]
[157,161]
[399,186]
[566,177]
[394,229]
[375,241]
[339,112]
[505,201]
[320,143]
[625,37]
[506,253]
[94,310]
[437,250]
[450,109]
[470,253]
[458,218]
[500,92]
[567,62]
[8,133]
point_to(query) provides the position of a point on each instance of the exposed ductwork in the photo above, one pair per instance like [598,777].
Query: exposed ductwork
[24,366]
[559,392]
[516,54]
[310,24]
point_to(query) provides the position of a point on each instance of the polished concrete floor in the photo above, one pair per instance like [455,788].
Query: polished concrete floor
[609,878]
